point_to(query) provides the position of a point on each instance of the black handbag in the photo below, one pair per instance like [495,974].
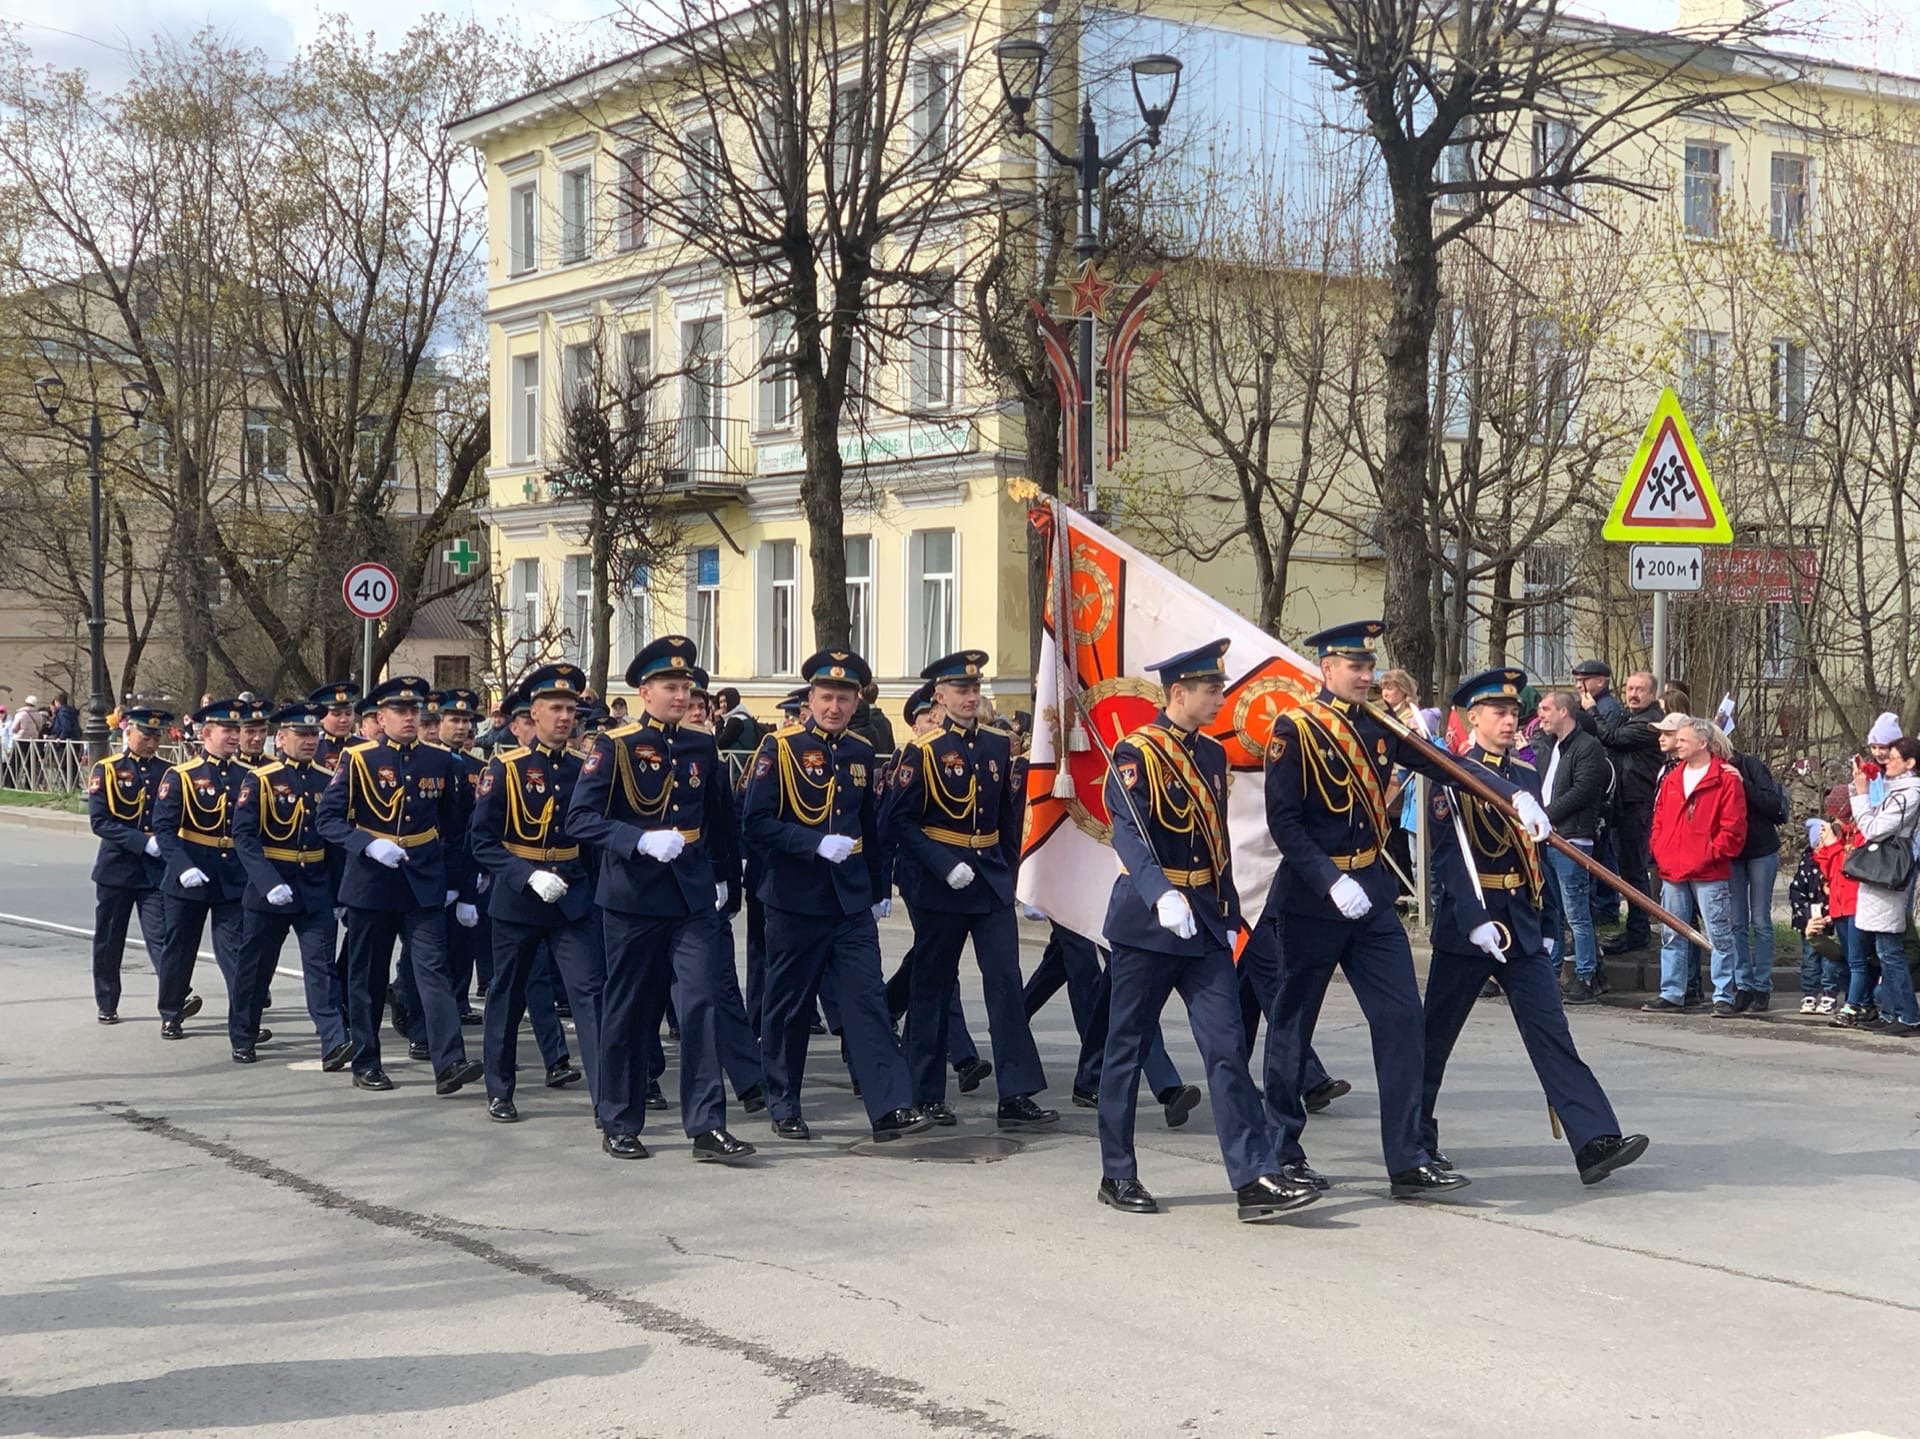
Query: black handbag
[1883,863]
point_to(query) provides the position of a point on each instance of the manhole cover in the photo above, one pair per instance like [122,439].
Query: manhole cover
[948,1149]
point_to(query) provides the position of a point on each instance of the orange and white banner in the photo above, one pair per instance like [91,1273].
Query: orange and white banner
[1093,687]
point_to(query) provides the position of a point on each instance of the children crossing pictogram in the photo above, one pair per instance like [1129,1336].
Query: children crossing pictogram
[1667,493]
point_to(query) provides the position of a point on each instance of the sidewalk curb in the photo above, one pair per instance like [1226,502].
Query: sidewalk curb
[28,818]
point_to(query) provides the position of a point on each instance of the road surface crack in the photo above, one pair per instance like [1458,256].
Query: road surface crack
[840,1284]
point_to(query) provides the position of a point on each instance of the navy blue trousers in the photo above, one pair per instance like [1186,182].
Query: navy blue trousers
[1378,962]
[739,1046]
[186,920]
[370,937]
[1073,960]
[113,907]
[1532,985]
[645,956]
[937,941]
[521,952]
[809,956]
[1259,986]
[464,948]
[1141,981]
[266,935]
[960,1046]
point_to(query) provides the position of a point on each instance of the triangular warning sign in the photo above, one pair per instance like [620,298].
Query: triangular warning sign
[1667,494]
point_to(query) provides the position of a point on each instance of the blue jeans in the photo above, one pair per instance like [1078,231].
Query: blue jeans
[1750,885]
[1709,900]
[1896,982]
[1576,898]
[1859,952]
[1810,967]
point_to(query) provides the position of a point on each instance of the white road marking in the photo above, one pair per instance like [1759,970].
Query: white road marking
[27,921]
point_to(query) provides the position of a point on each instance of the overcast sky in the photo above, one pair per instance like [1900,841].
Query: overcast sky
[96,34]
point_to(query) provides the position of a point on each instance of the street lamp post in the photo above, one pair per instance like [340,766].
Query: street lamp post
[1156,81]
[135,397]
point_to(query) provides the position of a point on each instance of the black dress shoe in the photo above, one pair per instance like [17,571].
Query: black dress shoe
[262,1036]
[1321,1095]
[372,1079]
[937,1112]
[1304,1173]
[337,1058]
[1742,1001]
[794,1128]
[563,1074]
[417,1049]
[1271,1194]
[191,1006]
[1083,1100]
[1600,1157]
[243,1056]
[457,1076]
[717,1144]
[472,1016]
[1662,1006]
[898,1122]
[107,1016]
[624,1146]
[1129,1196]
[479,991]
[1179,1101]
[673,1035]
[1020,1112]
[1424,1181]
[1762,998]
[970,1074]
[396,1013]
[1620,944]
[1723,1010]
[655,1099]
[753,1099]
[819,1026]
[563,1009]
[170,1029]
[1440,1161]
[502,1110]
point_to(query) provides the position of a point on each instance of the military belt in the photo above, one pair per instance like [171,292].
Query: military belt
[294,856]
[209,841]
[964,841]
[1355,861]
[538,855]
[1189,878]
[1503,881]
[405,841]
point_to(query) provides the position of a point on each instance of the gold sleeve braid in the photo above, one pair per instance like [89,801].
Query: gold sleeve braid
[525,826]
[111,792]
[203,819]
[385,813]
[268,816]
[630,784]
[791,779]
[954,806]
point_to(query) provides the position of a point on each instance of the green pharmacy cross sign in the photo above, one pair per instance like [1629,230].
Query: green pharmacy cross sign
[462,556]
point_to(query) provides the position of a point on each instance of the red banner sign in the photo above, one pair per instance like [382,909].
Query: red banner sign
[1761,574]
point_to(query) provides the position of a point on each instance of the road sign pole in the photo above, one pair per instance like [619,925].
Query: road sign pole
[366,656]
[1659,642]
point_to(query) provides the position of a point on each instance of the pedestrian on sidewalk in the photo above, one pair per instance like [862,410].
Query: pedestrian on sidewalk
[1751,879]
[1699,825]
[1632,742]
[1573,785]
[1887,830]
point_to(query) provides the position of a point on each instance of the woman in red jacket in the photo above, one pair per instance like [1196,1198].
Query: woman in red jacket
[1699,828]
[1838,838]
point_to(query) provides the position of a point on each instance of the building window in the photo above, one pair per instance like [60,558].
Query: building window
[936,349]
[934,108]
[634,614]
[576,214]
[1787,385]
[1452,374]
[776,372]
[701,393]
[630,202]
[860,595]
[850,137]
[266,453]
[702,176]
[1789,191]
[1701,361]
[779,607]
[1546,628]
[452,672]
[1459,165]
[579,601]
[1553,152]
[1701,204]
[1553,383]
[156,450]
[526,409]
[576,377]
[523,228]
[703,603]
[1782,639]
[523,630]
[932,586]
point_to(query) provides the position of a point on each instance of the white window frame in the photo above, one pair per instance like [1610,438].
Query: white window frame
[849,100]
[1790,206]
[524,420]
[579,601]
[262,432]
[1702,190]
[1546,628]
[777,406]
[1787,376]
[1452,375]
[935,353]
[576,213]
[523,228]
[576,375]
[703,428]
[701,175]
[1703,363]
[526,597]
[631,174]
[860,584]
[703,605]
[933,599]
[1555,375]
[1781,639]
[633,618]
[935,133]
[1551,140]
[778,608]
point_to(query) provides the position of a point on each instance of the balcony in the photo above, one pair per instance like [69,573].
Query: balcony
[708,460]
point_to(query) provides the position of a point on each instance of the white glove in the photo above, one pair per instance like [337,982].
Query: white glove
[1487,936]
[1532,818]
[192,878]
[1175,914]
[883,908]
[1349,898]
[153,847]
[482,883]
[834,848]
[280,894]
[1027,911]
[661,844]
[385,851]
[960,876]
[719,896]
[467,915]
[548,885]
[452,895]
[339,914]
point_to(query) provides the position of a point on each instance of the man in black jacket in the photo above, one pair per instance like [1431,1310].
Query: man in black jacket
[1751,882]
[1634,747]
[1573,787]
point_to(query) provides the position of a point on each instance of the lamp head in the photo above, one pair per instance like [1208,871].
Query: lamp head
[50,391]
[1021,64]
[136,395]
[1156,81]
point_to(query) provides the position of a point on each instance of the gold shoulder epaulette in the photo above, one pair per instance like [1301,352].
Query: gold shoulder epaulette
[621,731]
[517,751]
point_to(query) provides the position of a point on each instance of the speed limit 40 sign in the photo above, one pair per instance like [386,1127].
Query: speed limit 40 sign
[370,590]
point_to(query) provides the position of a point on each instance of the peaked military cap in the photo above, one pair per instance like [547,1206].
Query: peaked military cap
[1353,640]
[459,702]
[555,682]
[147,719]
[401,691]
[670,654]
[300,714]
[1207,662]
[335,694]
[795,701]
[701,679]
[228,711]
[836,667]
[1497,684]
[918,703]
[960,665]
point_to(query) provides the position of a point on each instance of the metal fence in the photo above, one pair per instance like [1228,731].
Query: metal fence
[57,766]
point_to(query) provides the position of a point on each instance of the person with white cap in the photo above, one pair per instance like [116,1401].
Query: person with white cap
[1880,737]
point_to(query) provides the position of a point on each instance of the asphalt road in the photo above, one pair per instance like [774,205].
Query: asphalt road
[189,1247]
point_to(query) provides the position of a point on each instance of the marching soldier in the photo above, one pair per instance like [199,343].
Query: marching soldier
[129,867]
[755,871]
[955,818]
[1487,925]
[810,814]
[1171,919]
[290,886]
[253,732]
[391,806]
[192,812]
[459,712]
[652,801]
[336,701]
[1332,903]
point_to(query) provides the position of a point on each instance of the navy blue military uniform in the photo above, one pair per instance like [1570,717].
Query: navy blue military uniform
[808,785]
[192,810]
[465,944]
[412,796]
[953,813]
[652,800]
[129,866]
[290,889]
[1327,768]
[1074,961]
[335,700]
[521,828]
[1508,897]
[754,871]
[1166,791]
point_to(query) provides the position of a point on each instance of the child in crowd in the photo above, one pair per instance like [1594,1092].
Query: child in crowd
[1836,838]
[1823,963]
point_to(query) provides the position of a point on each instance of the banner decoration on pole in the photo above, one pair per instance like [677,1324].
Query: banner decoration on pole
[1122,340]
[1110,611]
[1066,384]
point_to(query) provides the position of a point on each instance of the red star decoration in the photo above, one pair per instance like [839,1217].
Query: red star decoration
[1090,292]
